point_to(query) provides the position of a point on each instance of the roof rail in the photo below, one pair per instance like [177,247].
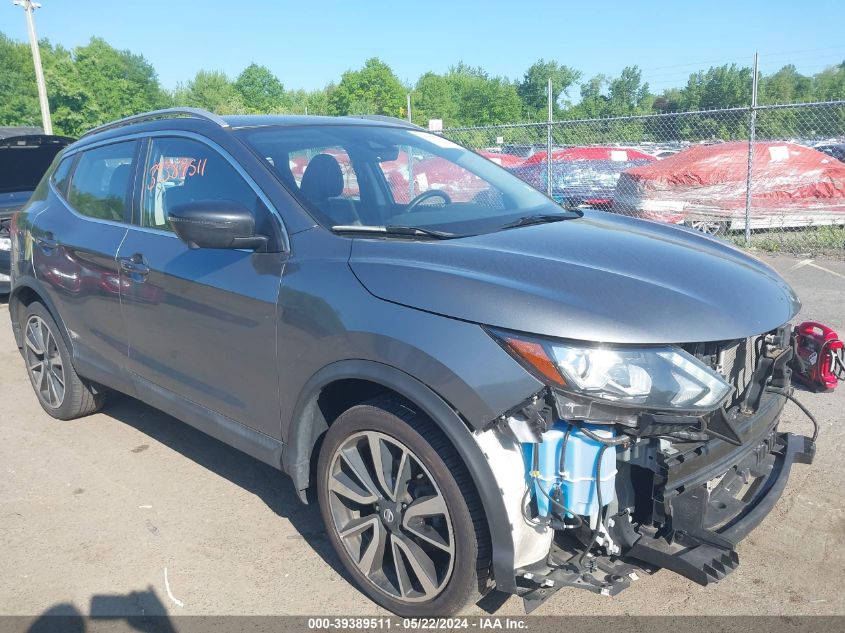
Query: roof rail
[385,119]
[196,113]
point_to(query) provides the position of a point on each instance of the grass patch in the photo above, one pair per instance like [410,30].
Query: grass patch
[813,240]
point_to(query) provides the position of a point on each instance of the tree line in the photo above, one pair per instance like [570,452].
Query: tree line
[96,83]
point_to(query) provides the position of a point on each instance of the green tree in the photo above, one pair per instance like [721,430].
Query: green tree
[261,91]
[211,90]
[481,99]
[374,89]
[434,98]
[532,88]
[115,83]
[628,94]
[785,86]
[829,84]
[19,104]
[593,99]
[725,86]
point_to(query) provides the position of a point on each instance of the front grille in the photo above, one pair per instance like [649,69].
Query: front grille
[736,361]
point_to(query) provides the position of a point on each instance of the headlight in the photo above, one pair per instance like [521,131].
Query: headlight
[659,377]
[5,243]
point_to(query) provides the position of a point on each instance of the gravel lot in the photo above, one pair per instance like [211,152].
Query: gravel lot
[131,512]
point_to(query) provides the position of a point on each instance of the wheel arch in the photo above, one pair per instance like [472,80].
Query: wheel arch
[24,293]
[368,379]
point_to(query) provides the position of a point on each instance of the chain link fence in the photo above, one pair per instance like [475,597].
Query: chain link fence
[767,177]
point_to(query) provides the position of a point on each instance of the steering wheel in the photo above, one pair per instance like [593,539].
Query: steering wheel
[425,195]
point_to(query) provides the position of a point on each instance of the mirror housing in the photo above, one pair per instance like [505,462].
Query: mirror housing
[216,224]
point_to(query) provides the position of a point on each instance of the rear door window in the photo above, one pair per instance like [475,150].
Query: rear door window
[101,185]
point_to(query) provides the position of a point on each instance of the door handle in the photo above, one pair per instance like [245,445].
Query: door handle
[47,241]
[135,266]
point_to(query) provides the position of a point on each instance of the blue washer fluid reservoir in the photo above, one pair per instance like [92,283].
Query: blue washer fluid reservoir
[548,452]
[579,474]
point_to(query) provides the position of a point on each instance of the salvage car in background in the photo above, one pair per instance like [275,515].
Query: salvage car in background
[581,176]
[705,187]
[24,157]
[500,158]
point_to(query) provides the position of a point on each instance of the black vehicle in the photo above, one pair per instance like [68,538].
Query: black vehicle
[836,150]
[23,160]
[485,391]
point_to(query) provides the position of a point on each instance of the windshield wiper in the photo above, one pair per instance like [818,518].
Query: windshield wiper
[543,218]
[394,229]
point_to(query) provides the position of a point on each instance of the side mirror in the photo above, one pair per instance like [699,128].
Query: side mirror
[216,224]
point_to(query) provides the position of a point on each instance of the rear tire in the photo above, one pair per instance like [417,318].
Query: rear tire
[61,392]
[412,559]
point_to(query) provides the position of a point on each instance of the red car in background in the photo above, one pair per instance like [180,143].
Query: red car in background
[705,187]
[504,160]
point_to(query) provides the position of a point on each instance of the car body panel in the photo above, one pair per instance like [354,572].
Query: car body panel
[81,277]
[200,316]
[327,316]
[599,278]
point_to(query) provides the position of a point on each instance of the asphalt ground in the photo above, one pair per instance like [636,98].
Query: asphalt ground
[130,512]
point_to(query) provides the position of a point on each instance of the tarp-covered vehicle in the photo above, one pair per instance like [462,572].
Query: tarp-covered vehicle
[581,176]
[25,155]
[705,187]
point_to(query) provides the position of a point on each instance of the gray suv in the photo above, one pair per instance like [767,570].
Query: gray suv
[479,388]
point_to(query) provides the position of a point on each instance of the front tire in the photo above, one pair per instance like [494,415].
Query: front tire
[401,511]
[60,390]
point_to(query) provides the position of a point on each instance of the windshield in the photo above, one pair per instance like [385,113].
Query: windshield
[377,176]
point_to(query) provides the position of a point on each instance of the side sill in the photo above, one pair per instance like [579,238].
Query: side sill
[255,444]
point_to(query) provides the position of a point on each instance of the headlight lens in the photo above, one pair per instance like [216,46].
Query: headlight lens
[659,377]
[5,243]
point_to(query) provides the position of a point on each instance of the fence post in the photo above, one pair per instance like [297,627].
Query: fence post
[549,141]
[752,133]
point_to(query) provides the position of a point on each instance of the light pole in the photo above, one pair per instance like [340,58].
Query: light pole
[29,6]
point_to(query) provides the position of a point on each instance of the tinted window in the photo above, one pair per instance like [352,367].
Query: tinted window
[179,170]
[61,177]
[100,185]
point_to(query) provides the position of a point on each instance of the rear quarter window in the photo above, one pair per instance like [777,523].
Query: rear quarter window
[61,177]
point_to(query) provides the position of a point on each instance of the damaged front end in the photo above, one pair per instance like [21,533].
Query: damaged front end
[641,458]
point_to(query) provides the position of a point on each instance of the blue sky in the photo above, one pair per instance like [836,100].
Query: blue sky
[309,43]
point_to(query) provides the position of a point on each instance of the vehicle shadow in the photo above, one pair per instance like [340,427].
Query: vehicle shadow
[140,610]
[272,486]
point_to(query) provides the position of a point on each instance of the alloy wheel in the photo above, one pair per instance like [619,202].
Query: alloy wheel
[709,227]
[44,362]
[391,517]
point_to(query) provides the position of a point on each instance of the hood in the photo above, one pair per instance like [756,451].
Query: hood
[602,278]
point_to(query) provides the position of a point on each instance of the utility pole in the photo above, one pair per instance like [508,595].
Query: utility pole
[29,6]
[551,98]
[752,132]
[409,107]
